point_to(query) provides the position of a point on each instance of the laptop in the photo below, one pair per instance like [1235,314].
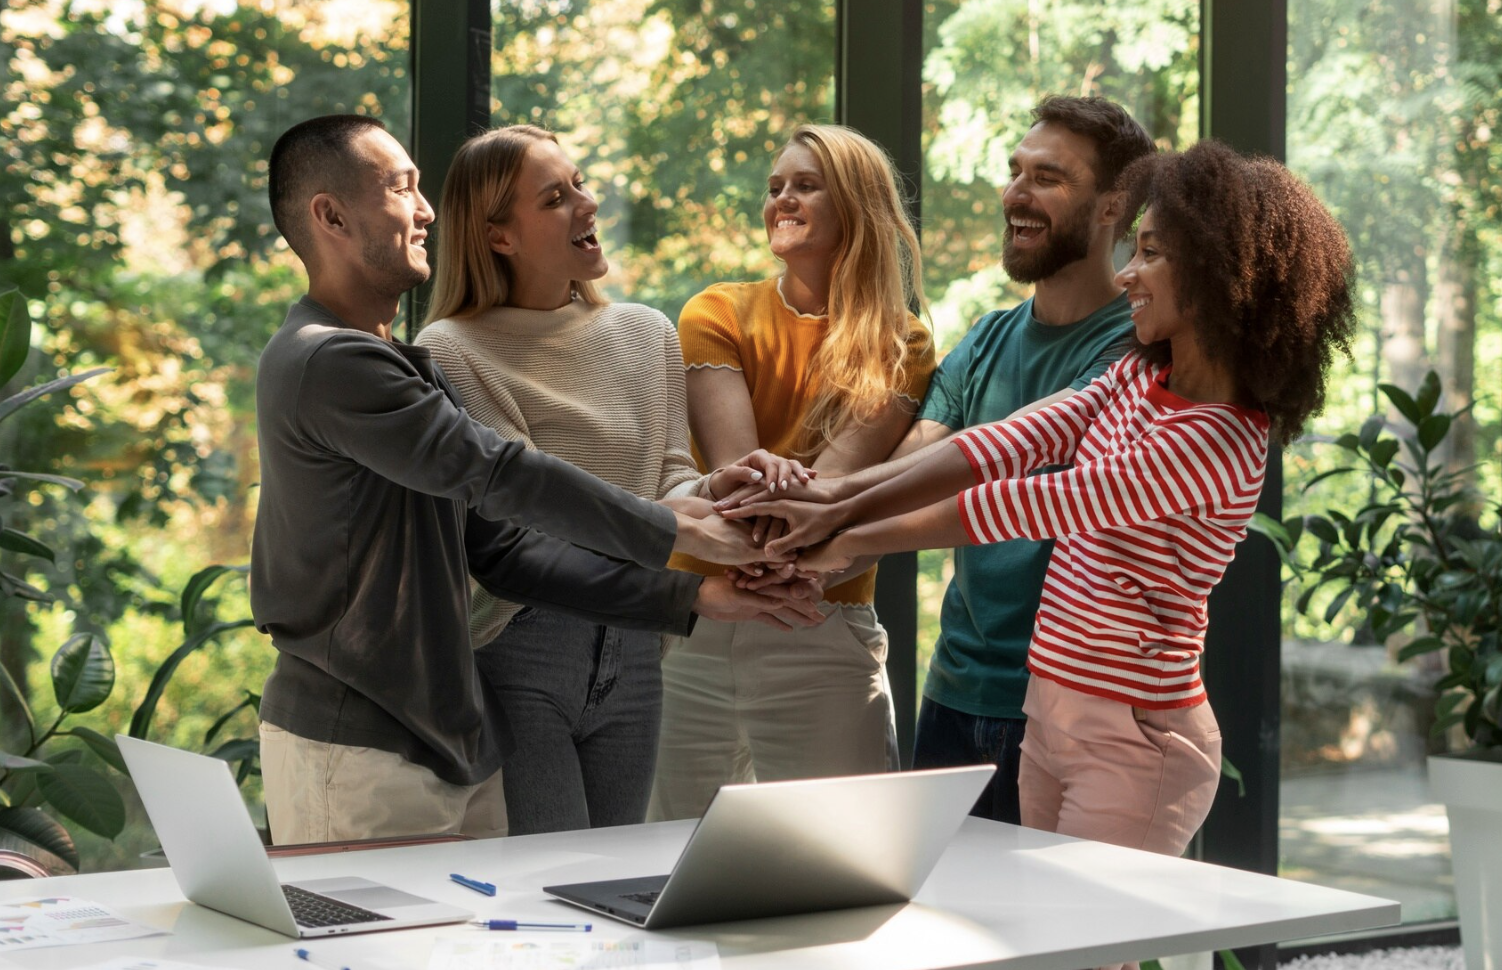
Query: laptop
[219,861]
[785,847]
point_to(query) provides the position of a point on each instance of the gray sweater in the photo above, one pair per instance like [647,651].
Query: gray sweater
[378,493]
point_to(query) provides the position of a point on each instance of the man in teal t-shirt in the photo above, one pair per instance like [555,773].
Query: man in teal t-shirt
[1061,229]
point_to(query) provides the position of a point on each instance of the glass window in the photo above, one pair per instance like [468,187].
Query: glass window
[136,137]
[986,63]
[672,110]
[1390,121]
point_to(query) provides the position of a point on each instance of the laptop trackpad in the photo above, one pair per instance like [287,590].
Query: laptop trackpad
[363,893]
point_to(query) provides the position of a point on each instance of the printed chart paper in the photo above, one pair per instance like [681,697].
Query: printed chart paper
[514,952]
[145,963]
[26,924]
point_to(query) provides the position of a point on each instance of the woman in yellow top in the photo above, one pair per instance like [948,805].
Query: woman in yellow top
[824,364]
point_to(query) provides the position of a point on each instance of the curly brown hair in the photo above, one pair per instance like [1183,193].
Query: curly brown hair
[1262,267]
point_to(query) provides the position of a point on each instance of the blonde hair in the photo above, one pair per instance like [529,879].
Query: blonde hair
[478,191]
[875,283]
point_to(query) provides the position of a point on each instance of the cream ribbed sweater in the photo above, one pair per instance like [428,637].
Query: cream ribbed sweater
[600,387]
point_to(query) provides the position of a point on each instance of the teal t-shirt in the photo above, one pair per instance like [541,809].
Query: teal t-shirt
[1008,360]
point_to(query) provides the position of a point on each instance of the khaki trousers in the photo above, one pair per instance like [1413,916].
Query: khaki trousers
[322,792]
[1103,770]
[744,702]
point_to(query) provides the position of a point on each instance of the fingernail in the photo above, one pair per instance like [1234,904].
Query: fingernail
[784,484]
[772,487]
[756,476]
[756,537]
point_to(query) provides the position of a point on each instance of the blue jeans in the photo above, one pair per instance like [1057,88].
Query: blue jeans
[583,703]
[946,738]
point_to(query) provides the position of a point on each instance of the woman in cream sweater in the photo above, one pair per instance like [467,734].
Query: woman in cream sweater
[538,354]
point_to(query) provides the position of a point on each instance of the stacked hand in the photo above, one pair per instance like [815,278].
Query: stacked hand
[759,531]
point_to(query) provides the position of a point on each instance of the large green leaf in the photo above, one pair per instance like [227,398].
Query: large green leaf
[15,762]
[1432,430]
[1428,395]
[83,673]
[15,402]
[15,333]
[1402,401]
[25,545]
[199,585]
[85,796]
[140,721]
[33,833]
[104,747]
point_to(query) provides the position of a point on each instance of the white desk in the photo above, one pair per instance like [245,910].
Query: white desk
[1002,896]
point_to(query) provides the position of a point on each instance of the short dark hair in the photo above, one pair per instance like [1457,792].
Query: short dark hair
[311,157]
[1260,265]
[1119,139]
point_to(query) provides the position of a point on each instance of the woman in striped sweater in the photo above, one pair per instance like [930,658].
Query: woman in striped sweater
[1240,292]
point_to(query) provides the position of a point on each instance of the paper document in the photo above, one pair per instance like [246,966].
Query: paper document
[62,920]
[515,952]
[145,963]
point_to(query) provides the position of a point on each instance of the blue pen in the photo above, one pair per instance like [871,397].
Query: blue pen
[488,888]
[303,954]
[511,924]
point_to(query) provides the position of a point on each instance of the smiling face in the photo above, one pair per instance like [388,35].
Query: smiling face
[799,213]
[390,222]
[549,238]
[1149,284]
[1049,204]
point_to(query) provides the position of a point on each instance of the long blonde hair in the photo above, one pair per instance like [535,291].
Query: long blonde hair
[875,283]
[478,191]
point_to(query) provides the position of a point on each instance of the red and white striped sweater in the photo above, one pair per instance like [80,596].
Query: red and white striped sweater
[1160,491]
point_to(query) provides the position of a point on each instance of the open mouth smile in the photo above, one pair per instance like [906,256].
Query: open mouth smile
[587,239]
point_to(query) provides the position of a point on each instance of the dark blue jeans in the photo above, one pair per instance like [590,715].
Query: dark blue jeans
[583,703]
[946,738]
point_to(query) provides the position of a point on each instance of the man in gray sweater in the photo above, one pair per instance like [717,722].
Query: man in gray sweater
[380,498]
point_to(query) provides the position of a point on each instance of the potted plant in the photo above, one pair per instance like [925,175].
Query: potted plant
[56,769]
[1423,557]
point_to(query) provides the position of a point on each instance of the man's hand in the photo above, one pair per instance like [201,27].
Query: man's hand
[690,505]
[785,607]
[805,523]
[807,585]
[718,540]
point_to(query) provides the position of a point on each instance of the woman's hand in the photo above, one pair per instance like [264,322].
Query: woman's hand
[825,491]
[804,523]
[757,473]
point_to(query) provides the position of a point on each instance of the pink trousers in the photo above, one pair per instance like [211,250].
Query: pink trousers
[1103,770]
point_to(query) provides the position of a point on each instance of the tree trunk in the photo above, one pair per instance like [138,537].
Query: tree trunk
[1403,353]
[1455,301]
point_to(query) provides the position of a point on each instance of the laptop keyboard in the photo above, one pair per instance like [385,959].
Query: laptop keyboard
[311,909]
[647,897]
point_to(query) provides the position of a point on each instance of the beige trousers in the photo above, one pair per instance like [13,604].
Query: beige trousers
[744,702]
[322,792]
[1103,770]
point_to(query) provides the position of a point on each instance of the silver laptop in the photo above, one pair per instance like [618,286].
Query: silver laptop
[220,863]
[778,848]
